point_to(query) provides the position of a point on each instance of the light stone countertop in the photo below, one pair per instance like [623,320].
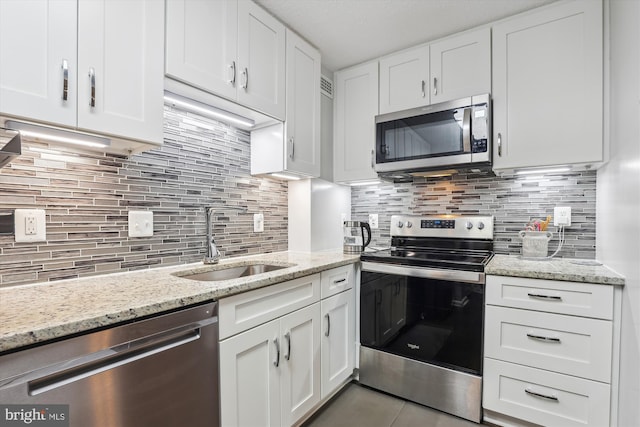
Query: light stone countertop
[31,314]
[563,269]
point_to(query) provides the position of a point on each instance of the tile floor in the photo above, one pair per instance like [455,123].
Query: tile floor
[359,406]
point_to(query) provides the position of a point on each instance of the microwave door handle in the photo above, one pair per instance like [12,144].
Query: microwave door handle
[466,131]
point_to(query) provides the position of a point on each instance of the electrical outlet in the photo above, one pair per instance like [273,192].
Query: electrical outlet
[30,225]
[562,216]
[373,220]
[258,223]
[343,217]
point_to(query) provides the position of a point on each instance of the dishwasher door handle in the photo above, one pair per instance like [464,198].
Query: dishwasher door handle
[111,361]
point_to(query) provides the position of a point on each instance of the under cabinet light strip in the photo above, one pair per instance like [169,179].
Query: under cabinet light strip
[542,171]
[49,134]
[206,110]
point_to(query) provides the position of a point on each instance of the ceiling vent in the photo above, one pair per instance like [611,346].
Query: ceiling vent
[326,86]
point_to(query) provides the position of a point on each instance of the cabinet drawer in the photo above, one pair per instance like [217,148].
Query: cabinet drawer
[336,280]
[543,397]
[567,344]
[577,299]
[243,311]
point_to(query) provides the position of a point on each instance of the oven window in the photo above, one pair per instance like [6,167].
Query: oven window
[433,321]
[424,136]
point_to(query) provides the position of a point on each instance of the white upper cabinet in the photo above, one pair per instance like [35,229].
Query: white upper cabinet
[90,65]
[209,66]
[355,108]
[120,58]
[38,44]
[261,60]
[452,68]
[293,148]
[231,48]
[548,87]
[460,66]
[404,78]
[302,126]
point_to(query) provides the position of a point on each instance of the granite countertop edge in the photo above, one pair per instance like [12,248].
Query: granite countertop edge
[560,269]
[53,320]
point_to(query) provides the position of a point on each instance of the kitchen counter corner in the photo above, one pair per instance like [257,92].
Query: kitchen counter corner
[562,269]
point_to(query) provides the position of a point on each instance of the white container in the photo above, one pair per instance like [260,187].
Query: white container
[535,244]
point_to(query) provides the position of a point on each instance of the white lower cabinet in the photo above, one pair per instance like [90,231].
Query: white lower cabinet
[283,349]
[338,337]
[548,352]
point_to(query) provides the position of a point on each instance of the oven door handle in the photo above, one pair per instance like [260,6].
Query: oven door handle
[426,273]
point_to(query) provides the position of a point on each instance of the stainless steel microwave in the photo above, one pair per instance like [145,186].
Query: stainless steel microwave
[450,135]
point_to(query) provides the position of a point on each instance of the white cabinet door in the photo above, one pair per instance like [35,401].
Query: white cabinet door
[338,340]
[120,67]
[548,87]
[355,105]
[300,332]
[201,44]
[302,137]
[249,377]
[404,79]
[460,66]
[261,60]
[36,39]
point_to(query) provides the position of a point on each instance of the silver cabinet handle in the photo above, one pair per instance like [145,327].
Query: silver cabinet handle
[326,334]
[245,79]
[543,396]
[291,148]
[435,86]
[232,69]
[423,93]
[276,362]
[499,144]
[335,282]
[541,296]
[373,157]
[92,82]
[288,337]
[65,80]
[543,338]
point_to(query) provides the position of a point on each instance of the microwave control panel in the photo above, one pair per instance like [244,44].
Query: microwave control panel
[479,128]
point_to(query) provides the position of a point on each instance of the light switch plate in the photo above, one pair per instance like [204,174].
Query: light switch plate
[30,225]
[258,223]
[140,223]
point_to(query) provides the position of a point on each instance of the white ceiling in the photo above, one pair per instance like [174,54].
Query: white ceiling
[348,32]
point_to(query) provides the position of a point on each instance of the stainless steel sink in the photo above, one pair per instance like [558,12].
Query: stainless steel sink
[233,272]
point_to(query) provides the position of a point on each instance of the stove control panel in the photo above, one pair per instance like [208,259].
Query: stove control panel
[438,223]
[450,226]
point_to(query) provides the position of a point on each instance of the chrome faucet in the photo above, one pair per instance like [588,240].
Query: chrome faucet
[213,254]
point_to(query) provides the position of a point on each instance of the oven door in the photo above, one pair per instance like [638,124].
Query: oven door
[429,315]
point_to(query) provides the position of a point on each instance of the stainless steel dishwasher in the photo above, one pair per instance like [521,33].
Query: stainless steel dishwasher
[162,371]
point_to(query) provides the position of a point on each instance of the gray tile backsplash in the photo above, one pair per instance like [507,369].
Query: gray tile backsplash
[512,201]
[87,197]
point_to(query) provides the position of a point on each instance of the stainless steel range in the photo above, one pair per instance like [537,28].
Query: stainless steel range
[422,311]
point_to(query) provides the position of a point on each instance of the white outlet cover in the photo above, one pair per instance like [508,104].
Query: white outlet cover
[258,223]
[373,221]
[20,223]
[140,223]
[562,216]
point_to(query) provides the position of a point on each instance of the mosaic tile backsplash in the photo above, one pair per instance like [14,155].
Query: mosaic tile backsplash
[87,197]
[512,201]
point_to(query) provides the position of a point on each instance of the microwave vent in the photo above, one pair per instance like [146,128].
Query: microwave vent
[326,86]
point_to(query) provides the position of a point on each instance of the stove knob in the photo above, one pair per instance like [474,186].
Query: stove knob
[480,225]
[409,224]
[469,225]
[400,224]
